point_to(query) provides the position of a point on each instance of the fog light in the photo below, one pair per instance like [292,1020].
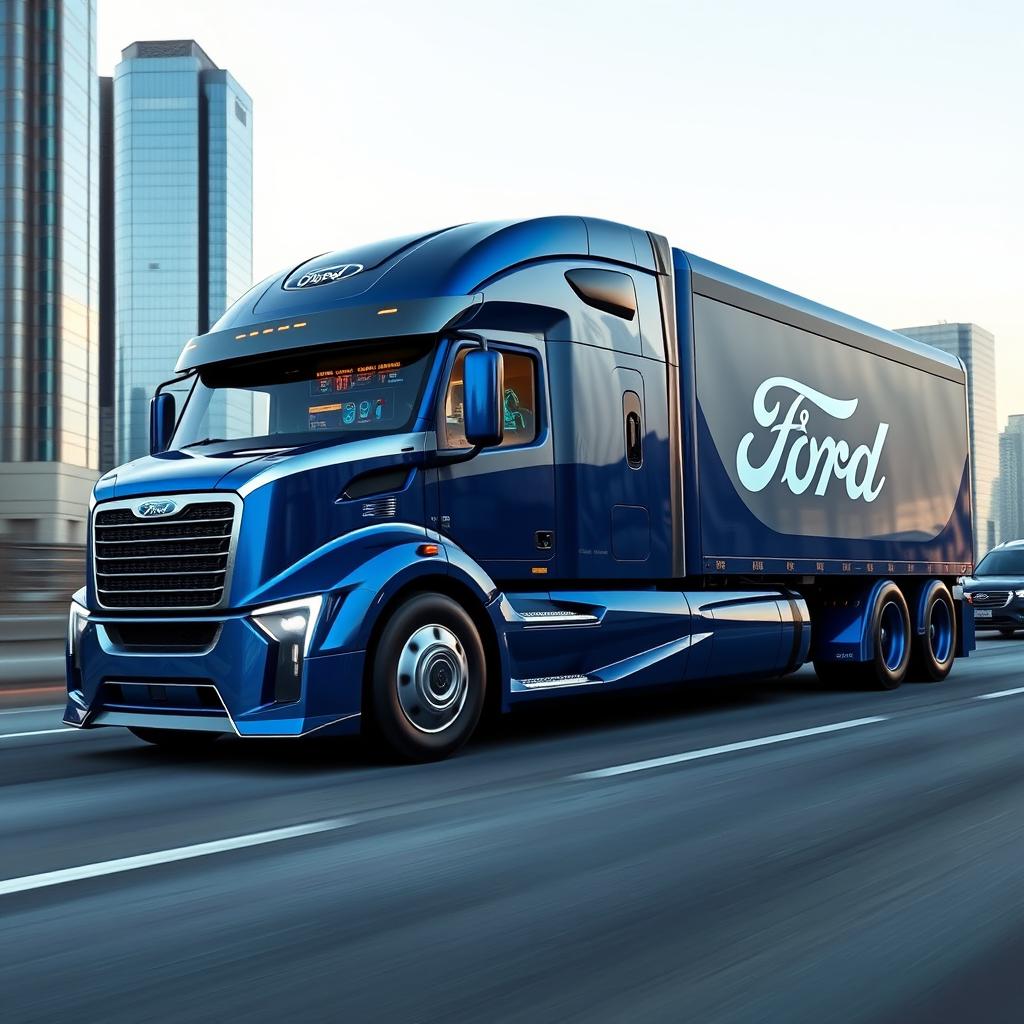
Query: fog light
[291,627]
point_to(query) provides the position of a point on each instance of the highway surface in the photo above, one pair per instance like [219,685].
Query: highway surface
[743,853]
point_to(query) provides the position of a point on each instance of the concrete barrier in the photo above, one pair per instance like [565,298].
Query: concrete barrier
[32,649]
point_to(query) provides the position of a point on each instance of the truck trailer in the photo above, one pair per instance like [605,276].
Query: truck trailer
[502,462]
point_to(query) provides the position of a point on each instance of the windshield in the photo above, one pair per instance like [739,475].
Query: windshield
[341,393]
[1002,563]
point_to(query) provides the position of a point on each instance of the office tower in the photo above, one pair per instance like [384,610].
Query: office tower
[182,216]
[1011,480]
[977,348]
[49,346]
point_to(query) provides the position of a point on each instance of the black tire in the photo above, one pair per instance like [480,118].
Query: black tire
[934,650]
[883,672]
[427,679]
[182,740]
[1008,633]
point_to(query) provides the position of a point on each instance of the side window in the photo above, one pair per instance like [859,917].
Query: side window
[520,402]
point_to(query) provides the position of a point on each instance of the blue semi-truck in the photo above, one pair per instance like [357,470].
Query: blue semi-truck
[402,483]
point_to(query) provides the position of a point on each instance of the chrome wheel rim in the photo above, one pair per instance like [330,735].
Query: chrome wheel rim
[892,636]
[432,679]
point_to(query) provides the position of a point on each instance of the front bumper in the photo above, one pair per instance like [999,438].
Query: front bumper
[226,686]
[1009,616]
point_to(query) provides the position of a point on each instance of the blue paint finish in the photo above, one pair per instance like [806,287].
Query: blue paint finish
[842,626]
[560,544]
[236,666]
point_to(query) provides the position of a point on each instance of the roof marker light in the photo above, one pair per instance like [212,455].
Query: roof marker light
[268,330]
[239,337]
[283,327]
[388,311]
[252,334]
[301,323]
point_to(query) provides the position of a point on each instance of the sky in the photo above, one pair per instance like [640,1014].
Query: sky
[869,156]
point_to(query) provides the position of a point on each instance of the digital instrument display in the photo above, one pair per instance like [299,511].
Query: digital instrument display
[354,395]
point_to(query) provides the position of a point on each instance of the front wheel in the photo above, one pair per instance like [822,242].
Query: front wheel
[427,679]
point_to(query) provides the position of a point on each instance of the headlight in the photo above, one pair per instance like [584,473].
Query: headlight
[1018,593]
[78,619]
[291,626]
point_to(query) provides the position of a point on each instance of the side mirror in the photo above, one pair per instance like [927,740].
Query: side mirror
[483,413]
[161,422]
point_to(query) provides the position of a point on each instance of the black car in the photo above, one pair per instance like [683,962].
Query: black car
[996,590]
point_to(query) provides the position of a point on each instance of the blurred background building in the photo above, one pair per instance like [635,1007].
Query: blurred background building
[977,348]
[181,243]
[1011,480]
[49,250]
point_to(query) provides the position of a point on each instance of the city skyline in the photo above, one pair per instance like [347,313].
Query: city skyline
[49,350]
[777,149]
[182,218]
[975,346]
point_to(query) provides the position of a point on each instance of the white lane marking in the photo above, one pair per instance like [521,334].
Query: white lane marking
[33,710]
[1000,693]
[145,860]
[66,730]
[726,748]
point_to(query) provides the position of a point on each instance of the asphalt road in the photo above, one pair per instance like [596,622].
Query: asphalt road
[873,872]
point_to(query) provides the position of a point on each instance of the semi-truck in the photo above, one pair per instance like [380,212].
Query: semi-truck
[406,482]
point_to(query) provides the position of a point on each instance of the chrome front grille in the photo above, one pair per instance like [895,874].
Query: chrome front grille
[181,560]
[991,599]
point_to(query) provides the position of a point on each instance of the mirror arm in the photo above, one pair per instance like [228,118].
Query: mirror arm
[451,456]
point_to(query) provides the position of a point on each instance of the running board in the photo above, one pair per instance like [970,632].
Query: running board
[553,682]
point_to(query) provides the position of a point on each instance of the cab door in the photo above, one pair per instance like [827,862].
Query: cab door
[499,506]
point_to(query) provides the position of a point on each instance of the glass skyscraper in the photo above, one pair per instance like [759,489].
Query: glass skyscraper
[49,345]
[182,219]
[977,348]
[1011,480]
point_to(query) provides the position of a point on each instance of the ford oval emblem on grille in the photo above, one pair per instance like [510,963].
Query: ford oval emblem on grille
[151,509]
[981,597]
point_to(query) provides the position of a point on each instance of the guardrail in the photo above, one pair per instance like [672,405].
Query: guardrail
[39,577]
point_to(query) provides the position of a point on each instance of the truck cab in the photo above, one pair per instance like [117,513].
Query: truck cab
[399,483]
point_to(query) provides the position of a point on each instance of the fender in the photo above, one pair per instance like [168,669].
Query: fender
[840,630]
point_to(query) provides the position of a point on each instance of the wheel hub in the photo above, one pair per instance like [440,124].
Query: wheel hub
[433,678]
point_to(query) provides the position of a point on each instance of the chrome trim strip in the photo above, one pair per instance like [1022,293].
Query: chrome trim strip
[184,500]
[537,620]
[553,682]
[146,558]
[155,522]
[150,718]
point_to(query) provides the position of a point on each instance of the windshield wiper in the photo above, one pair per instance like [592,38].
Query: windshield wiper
[205,440]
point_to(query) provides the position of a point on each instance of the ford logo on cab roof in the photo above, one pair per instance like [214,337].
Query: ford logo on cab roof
[327,275]
[151,509]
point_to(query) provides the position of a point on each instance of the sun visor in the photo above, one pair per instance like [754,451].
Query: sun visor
[353,323]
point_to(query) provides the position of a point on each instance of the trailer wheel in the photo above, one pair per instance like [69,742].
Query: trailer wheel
[935,648]
[182,740]
[890,628]
[428,679]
